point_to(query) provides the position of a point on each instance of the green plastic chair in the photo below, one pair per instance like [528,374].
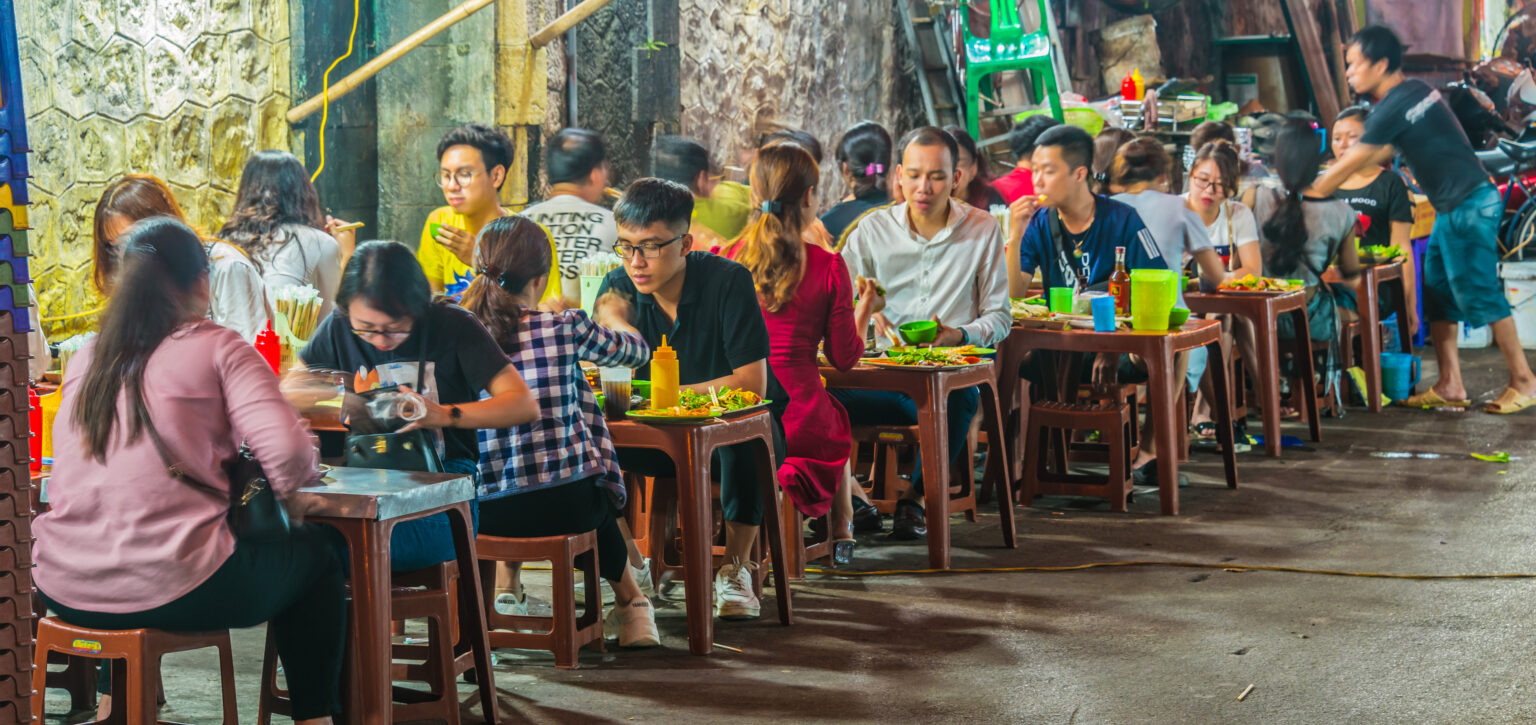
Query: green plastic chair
[1008,49]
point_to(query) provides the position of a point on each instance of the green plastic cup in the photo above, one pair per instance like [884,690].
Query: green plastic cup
[1153,294]
[1061,300]
[590,284]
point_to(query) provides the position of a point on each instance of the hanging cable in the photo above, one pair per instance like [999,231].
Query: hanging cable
[325,90]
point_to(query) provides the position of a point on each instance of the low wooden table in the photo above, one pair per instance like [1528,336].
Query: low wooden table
[1157,350]
[929,388]
[365,504]
[690,446]
[1264,310]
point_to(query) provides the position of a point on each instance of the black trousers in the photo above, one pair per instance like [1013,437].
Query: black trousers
[294,584]
[571,508]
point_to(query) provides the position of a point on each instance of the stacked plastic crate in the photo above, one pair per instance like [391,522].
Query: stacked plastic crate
[15,480]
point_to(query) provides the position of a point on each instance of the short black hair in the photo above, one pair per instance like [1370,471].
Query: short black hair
[1021,138]
[678,159]
[1378,42]
[794,135]
[930,136]
[1359,113]
[572,155]
[1075,144]
[494,145]
[388,278]
[650,200]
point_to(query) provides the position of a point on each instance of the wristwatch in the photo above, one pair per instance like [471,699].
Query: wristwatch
[965,337]
[454,414]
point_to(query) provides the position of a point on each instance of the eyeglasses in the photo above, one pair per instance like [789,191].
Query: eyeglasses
[648,250]
[461,177]
[386,334]
[1201,182]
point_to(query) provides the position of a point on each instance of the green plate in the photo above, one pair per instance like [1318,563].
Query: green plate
[980,351]
[644,416]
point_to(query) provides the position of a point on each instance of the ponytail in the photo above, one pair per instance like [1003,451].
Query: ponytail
[865,151]
[772,247]
[1298,156]
[511,252]
[162,261]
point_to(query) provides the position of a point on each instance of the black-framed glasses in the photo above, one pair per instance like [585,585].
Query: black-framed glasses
[462,177]
[647,250]
[1201,182]
[386,334]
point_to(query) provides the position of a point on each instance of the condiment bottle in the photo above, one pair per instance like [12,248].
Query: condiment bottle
[664,380]
[35,422]
[1128,88]
[270,347]
[1141,84]
[1120,284]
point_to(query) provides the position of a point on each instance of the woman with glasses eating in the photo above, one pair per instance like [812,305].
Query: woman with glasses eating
[384,331]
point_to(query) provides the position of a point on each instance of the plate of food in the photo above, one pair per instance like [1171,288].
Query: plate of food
[930,358]
[695,407]
[1251,284]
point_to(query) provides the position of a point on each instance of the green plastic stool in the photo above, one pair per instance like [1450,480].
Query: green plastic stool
[1008,49]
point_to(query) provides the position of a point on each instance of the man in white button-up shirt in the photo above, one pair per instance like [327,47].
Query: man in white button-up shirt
[938,259]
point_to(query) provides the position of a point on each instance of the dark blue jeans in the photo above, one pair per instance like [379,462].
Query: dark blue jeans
[881,407]
[427,542]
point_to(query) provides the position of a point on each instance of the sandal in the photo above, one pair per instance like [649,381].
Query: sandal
[1430,399]
[842,551]
[1206,430]
[1517,404]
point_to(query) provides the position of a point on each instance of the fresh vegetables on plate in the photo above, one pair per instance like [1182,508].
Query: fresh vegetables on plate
[1379,252]
[693,404]
[1026,310]
[1251,283]
[931,357]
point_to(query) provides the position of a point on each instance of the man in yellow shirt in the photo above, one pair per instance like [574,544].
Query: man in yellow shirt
[473,161]
[720,210]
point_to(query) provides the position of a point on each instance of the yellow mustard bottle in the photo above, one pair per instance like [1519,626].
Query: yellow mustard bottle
[664,383]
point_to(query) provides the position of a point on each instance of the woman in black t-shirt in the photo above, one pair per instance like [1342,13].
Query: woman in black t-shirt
[384,328]
[1380,197]
[863,155]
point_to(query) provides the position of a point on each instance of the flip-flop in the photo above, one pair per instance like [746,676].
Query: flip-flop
[1431,399]
[1521,402]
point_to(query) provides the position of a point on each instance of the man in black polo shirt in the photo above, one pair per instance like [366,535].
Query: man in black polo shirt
[707,308]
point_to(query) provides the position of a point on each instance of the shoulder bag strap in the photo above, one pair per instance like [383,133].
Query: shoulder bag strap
[171,467]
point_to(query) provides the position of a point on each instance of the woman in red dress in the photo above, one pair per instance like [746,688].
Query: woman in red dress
[807,297]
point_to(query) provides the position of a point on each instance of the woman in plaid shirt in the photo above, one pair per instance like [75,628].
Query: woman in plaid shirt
[559,474]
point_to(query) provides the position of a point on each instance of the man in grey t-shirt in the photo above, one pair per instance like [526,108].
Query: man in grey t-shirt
[577,166]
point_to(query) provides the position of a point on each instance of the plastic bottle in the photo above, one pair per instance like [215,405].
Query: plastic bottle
[1128,88]
[270,347]
[664,380]
[1141,84]
[35,421]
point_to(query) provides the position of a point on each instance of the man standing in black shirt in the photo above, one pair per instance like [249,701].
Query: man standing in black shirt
[1461,281]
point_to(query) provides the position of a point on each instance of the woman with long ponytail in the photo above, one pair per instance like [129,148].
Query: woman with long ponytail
[1301,236]
[137,534]
[807,297]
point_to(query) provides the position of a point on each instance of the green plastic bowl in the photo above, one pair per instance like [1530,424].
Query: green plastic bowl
[1177,317]
[919,332]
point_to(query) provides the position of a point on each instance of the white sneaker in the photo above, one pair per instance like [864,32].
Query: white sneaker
[643,578]
[633,624]
[733,591]
[515,605]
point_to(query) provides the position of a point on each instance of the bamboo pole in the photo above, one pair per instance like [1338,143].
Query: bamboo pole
[356,78]
[565,22]
[368,70]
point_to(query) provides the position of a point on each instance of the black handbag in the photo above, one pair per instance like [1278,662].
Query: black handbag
[376,444]
[255,514]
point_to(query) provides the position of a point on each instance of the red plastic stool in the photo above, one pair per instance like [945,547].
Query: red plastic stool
[562,634]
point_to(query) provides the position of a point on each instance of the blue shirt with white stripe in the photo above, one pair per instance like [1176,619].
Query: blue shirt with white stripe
[1115,224]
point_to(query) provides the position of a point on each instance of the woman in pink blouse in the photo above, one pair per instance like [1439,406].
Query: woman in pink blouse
[126,545]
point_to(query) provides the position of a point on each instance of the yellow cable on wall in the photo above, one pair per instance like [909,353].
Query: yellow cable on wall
[325,90]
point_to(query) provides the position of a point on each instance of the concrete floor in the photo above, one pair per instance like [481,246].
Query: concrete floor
[1125,645]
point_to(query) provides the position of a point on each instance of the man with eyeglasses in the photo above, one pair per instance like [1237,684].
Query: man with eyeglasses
[473,161]
[706,307]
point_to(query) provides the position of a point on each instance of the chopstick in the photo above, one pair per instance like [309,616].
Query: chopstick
[348,227]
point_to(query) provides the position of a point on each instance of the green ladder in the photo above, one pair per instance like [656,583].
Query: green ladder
[1008,48]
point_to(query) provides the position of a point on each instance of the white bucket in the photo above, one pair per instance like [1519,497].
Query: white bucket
[1520,289]
[1473,337]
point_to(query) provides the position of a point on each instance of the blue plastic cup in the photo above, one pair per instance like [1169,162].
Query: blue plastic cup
[1103,314]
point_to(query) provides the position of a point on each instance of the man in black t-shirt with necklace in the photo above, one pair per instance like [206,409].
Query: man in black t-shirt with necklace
[1460,271]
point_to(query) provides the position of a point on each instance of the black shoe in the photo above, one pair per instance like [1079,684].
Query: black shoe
[909,524]
[1147,476]
[866,518]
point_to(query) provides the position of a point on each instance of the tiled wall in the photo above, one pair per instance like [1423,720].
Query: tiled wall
[184,89]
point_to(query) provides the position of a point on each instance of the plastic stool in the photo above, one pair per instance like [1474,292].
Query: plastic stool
[563,634]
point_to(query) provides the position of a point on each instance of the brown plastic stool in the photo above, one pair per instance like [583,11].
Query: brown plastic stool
[135,681]
[1114,423]
[430,594]
[563,634]
[885,483]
